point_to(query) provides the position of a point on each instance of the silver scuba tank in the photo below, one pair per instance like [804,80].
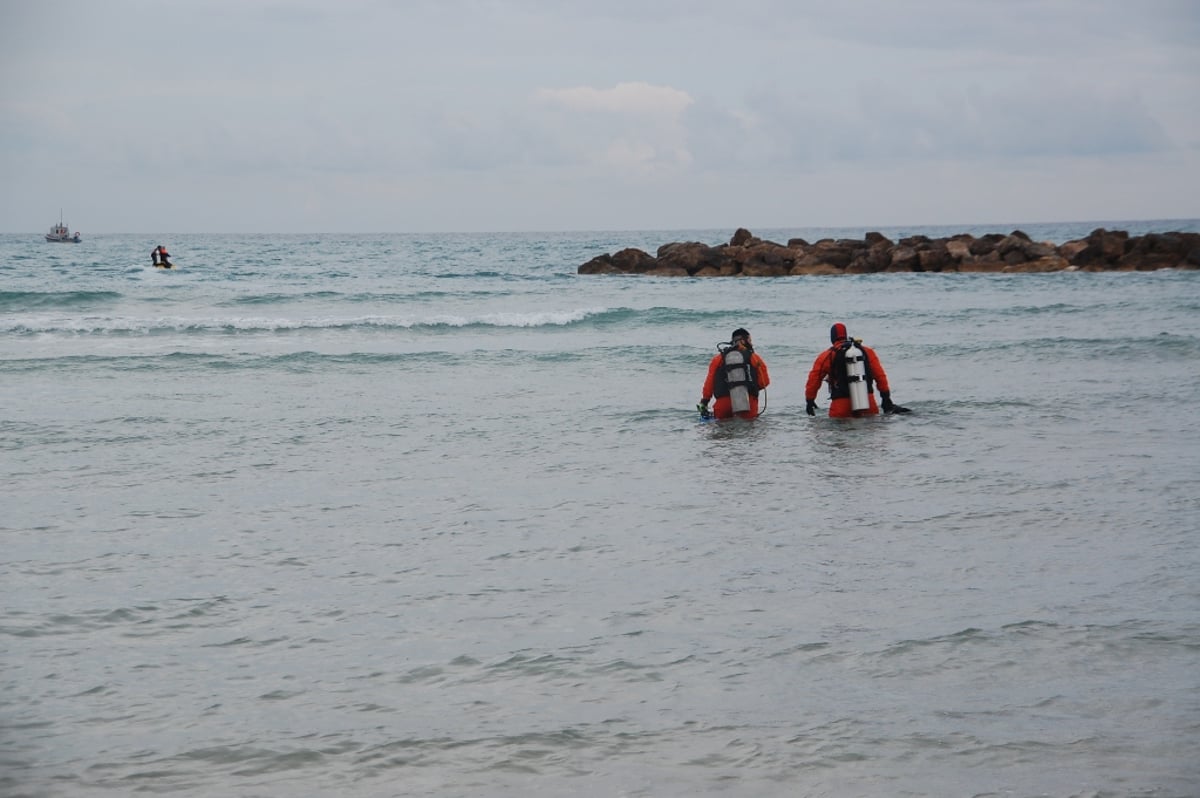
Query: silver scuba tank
[856,376]
[735,371]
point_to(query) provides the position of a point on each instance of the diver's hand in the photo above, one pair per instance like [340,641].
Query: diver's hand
[810,407]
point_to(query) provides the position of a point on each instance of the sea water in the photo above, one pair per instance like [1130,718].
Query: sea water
[433,515]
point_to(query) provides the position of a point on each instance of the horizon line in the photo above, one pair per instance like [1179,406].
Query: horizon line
[566,231]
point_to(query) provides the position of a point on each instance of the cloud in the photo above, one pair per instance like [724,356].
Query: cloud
[635,128]
[624,98]
[881,123]
[701,110]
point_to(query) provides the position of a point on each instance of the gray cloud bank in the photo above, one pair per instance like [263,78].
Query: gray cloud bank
[521,115]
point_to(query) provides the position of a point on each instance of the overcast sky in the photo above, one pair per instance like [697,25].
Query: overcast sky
[542,115]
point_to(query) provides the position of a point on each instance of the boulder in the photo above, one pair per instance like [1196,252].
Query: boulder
[959,248]
[815,268]
[833,252]
[1050,263]
[740,237]
[1072,249]
[1012,243]
[934,258]
[1153,251]
[1193,259]
[601,264]
[662,270]
[985,244]
[633,261]
[748,255]
[904,259]
[872,259]
[1106,247]
[691,256]
[759,268]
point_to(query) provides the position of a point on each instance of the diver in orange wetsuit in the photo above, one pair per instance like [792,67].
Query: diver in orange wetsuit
[831,367]
[735,386]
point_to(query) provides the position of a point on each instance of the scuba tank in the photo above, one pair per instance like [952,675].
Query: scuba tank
[737,376]
[856,377]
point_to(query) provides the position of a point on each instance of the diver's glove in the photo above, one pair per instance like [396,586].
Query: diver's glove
[810,407]
[889,406]
[702,408]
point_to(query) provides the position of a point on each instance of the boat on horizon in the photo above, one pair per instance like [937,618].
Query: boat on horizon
[62,234]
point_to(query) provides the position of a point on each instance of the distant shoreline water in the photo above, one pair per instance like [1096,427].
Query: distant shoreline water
[365,514]
[1132,226]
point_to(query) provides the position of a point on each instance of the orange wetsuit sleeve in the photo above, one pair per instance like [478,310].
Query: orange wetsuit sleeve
[762,376]
[706,392]
[877,372]
[820,369]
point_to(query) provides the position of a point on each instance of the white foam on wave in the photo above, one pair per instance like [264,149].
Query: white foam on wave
[546,318]
[100,325]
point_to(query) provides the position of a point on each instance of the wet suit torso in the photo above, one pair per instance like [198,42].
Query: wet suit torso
[830,366]
[717,383]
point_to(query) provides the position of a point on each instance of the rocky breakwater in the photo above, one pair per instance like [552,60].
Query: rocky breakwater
[749,256]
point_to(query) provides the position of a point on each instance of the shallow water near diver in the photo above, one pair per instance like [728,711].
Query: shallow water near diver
[381,515]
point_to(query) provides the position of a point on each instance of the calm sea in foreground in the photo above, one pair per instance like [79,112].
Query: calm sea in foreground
[432,515]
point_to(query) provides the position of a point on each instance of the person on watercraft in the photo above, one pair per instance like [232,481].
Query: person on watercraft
[154,255]
[852,371]
[163,257]
[736,375]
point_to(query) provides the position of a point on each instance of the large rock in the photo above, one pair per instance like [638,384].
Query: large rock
[691,256]
[934,258]
[634,261]
[815,268]
[1102,248]
[740,237]
[835,253]
[959,248]
[875,258]
[1160,251]
[1051,263]
[985,244]
[768,259]
[750,256]
[904,258]
[601,264]
[667,271]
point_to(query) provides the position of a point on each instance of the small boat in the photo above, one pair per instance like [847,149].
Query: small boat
[59,232]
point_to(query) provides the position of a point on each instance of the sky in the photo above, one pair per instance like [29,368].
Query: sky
[243,116]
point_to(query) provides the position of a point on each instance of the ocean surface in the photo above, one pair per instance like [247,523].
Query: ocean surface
[433,515]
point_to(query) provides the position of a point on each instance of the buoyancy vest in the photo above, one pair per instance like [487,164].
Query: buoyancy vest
[735,371]
[839,383]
